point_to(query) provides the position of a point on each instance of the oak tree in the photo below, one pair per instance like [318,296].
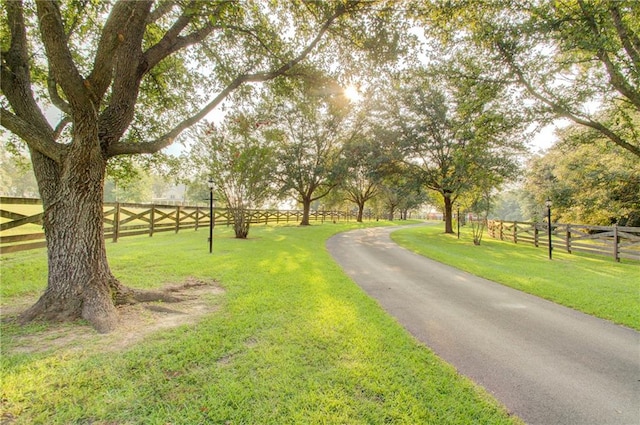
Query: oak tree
[128,77]
[313,130]
[453,133]
[363,165]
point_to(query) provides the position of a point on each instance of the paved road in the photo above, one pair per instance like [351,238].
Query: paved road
[548,364]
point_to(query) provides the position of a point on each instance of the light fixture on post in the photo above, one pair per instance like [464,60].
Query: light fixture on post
[211,220]
[547,203]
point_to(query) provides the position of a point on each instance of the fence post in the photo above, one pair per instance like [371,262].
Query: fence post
[568,241]
[152,220]
[616,241]
[116,222]
[197,217]
[515,232]
[177,218]
[501,230]
[535,235]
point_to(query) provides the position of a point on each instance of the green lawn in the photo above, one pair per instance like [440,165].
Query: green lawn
[294,341]
[595,285]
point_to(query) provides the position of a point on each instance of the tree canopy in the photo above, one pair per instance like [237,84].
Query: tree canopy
[578,60]
[588,183]
[128,78]
[453,135]
[312,131]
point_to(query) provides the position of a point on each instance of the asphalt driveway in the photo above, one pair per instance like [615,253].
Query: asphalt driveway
[548,364]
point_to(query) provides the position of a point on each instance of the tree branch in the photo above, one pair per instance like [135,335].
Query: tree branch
[37,139]
[57,101]
[110,39]
[616,79]
[163,8]
[127,62]
[171,42]
[289,65]
[60,127]
[254,36]
[29,122]
[628,38]
[61,63]
[167,139]
[563,111]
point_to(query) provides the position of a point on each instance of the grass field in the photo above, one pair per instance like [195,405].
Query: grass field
[592,284]
[293,341]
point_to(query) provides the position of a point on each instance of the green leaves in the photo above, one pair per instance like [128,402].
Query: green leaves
[565,56]
[588,181]
[238,158]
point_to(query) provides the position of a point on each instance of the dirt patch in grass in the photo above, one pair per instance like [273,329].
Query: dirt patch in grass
[193,300]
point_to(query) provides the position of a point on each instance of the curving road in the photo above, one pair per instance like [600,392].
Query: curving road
[548,364]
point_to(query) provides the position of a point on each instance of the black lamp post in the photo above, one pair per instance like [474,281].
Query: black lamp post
[547,203]
[211,221]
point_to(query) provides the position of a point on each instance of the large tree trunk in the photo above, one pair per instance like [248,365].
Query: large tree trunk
[448,213]
[80,283]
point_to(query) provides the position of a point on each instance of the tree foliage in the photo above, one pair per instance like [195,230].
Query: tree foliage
[240,161]
[128,77]
[454,135]
[564,56]
[311,130]
[588,184]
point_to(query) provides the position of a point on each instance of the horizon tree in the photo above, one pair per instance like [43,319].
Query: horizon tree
[312,131]
[451,133]
[128,77]
[364,166]
[400,189]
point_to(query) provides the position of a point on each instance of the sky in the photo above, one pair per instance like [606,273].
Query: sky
[546,137]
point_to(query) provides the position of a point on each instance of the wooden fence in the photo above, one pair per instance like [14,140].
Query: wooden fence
[615,241]
[21,220]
